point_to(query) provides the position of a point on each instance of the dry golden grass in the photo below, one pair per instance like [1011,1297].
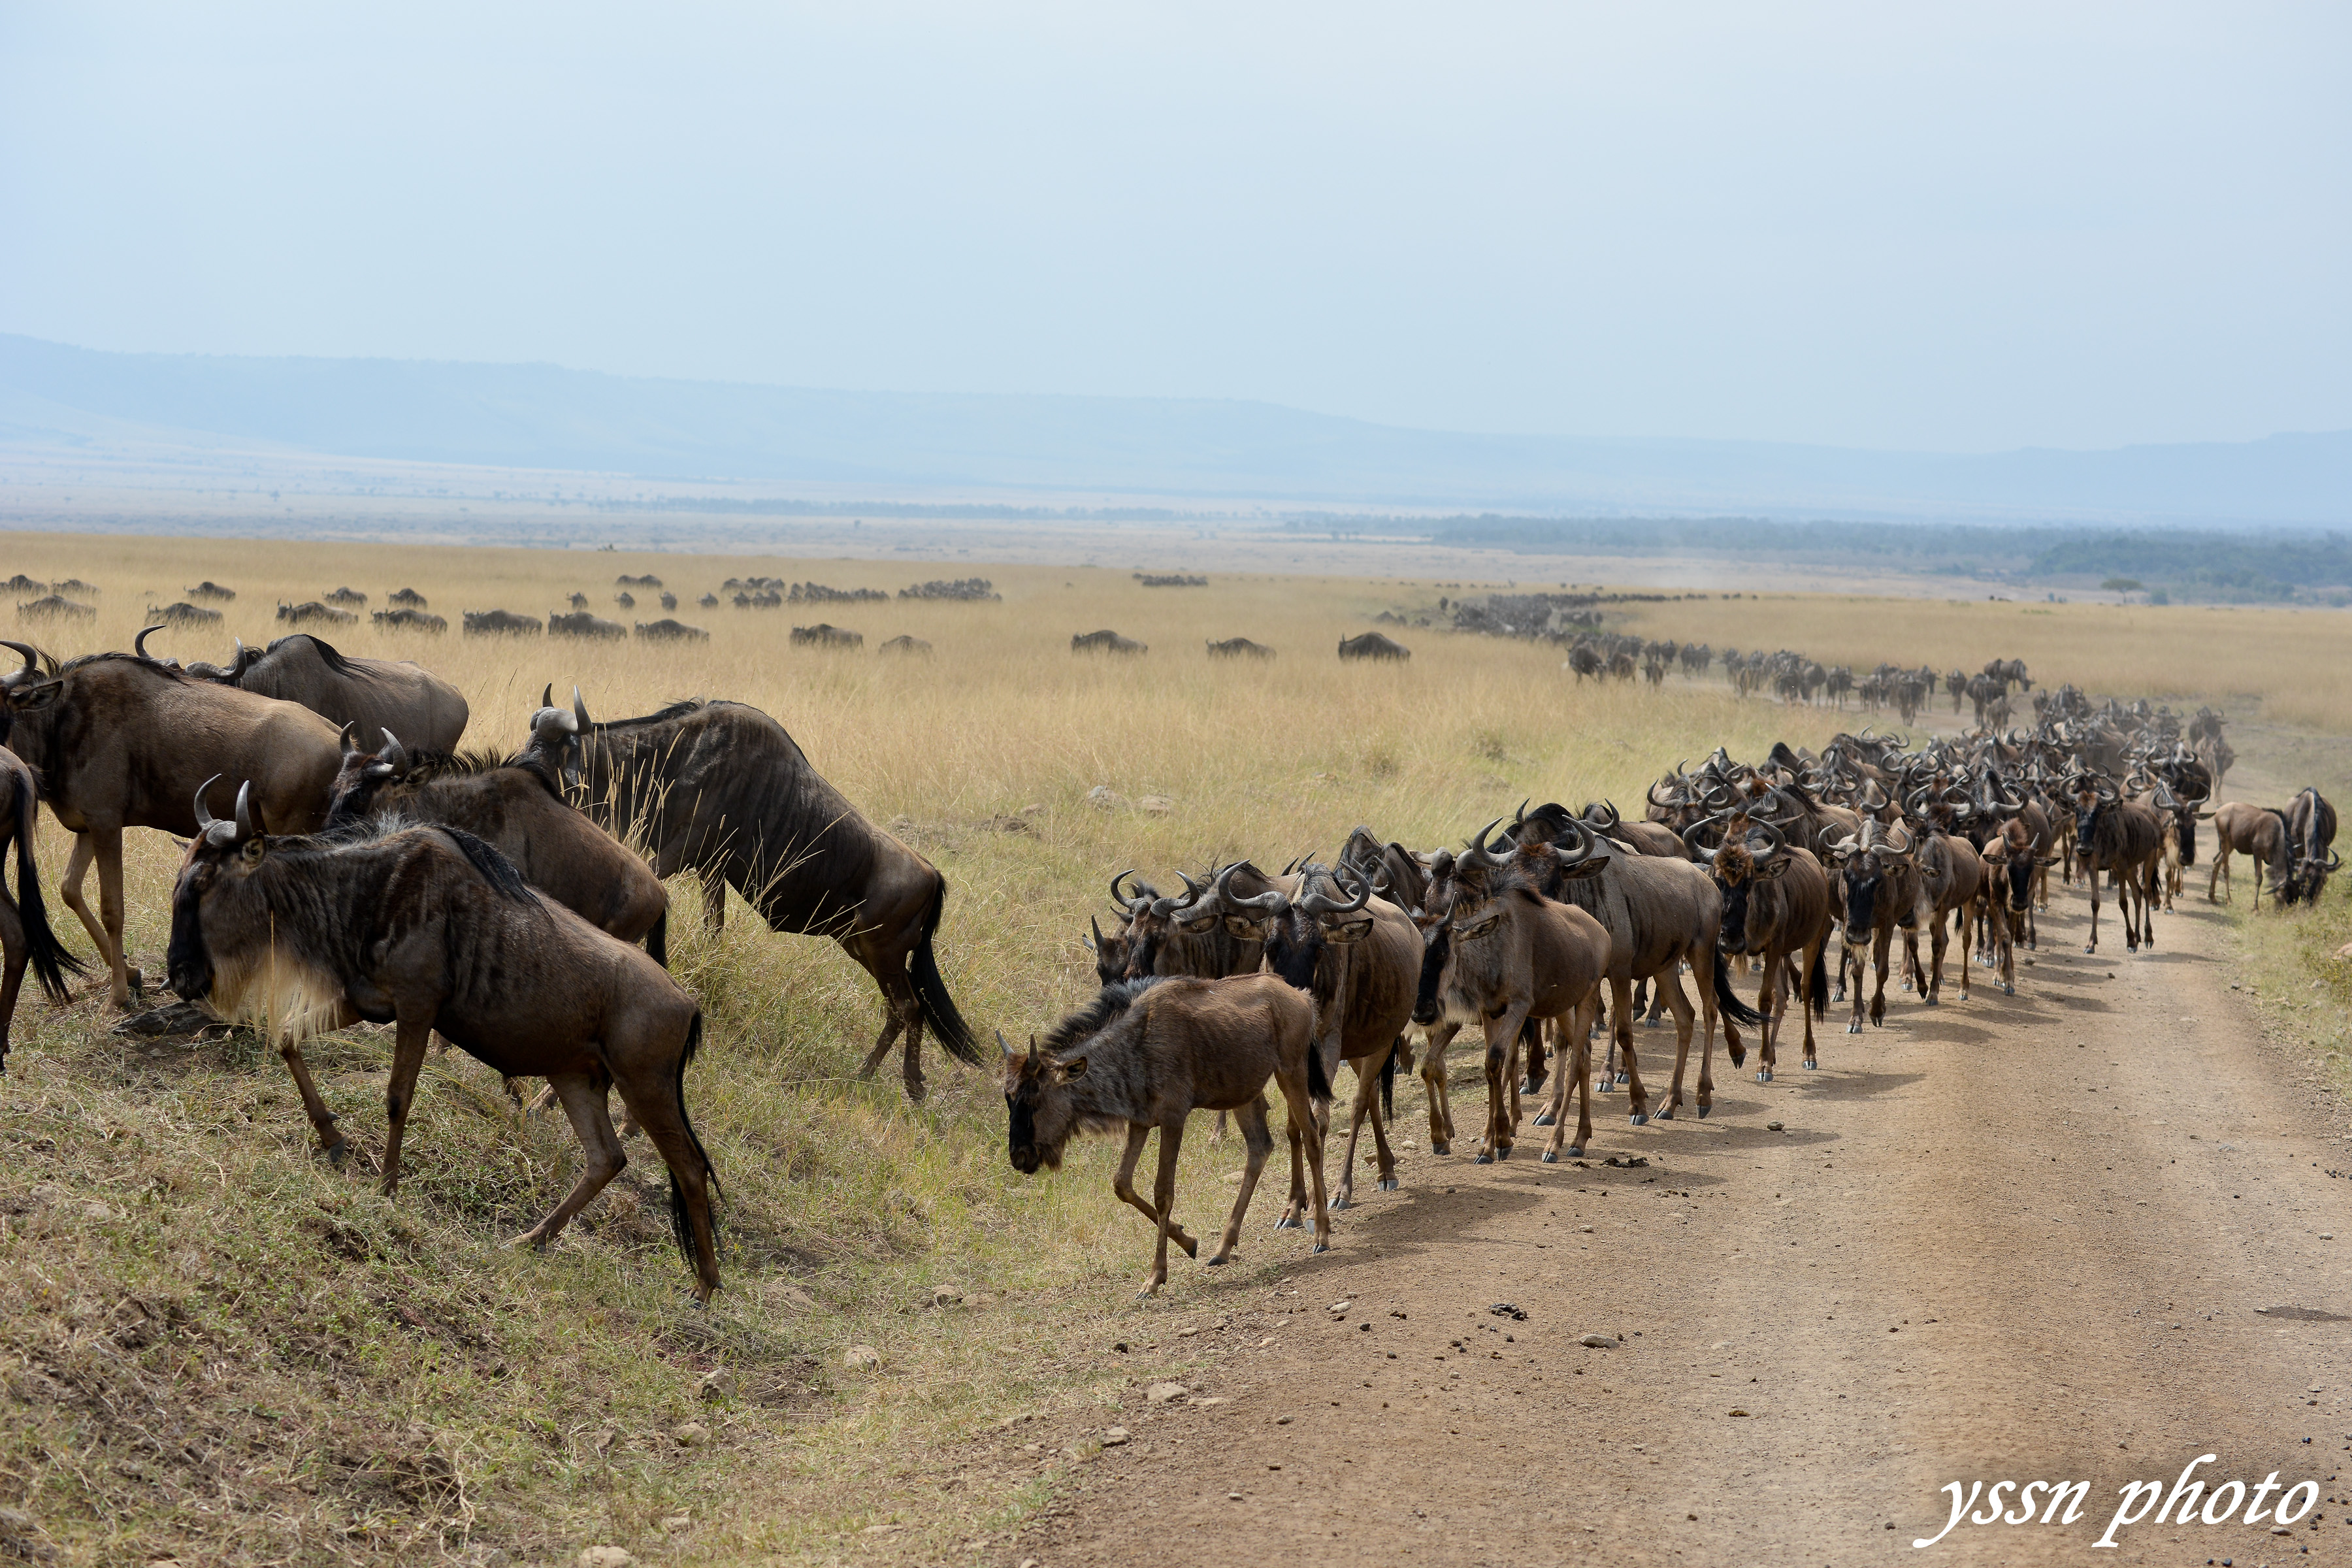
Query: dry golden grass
[257,1359]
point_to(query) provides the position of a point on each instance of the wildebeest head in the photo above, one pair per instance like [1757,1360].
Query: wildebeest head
[1147,921]
[2094,795]
[556,735]
[213,886]
[364,775]
[1325,916]
[1865,862]
[1042,1112]
[1741,863]
[2011,858]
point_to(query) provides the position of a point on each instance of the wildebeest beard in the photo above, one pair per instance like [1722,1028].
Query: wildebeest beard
[1863,881]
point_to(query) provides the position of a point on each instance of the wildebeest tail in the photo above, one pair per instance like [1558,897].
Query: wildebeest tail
[1388,1085]
[1319,1082]
[1729,1004]
[1819,986]
[658,939]
[49,956]
[931,992]
[681,1224]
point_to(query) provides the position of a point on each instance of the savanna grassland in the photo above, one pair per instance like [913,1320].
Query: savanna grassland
[219,1349]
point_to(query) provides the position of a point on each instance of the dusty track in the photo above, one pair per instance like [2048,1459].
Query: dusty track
[2028,1238]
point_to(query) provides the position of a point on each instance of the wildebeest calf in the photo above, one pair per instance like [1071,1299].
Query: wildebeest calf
[1149,1053]
[426,929]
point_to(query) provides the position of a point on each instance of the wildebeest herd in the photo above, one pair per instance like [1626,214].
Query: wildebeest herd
[347,862]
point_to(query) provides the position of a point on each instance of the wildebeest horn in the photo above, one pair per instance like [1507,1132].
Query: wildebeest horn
[245,809]
[1893,848]
[1700,852]
[1095,926]
[1271,902]
[1005,1045]
[1192,892]
[204,818]
[579,711]
[139,643]
[395,753]
[1520,815]
[1774,844]
[1587,846]
[547,695]
[1121,900]
[32,659]
[1315,903]
[1479,852]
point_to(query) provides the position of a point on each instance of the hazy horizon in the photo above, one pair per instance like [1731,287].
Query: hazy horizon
[1829,225]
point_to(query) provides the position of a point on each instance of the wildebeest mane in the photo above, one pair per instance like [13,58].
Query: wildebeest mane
[1108,1005]
[484,857]
[69,667]
[428,767]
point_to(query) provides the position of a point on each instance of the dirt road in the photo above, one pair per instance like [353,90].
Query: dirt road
[2082,1233]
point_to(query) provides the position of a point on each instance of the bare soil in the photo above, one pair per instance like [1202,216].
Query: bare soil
[2080,1234]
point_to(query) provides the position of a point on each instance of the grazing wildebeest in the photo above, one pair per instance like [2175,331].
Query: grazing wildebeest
[709,601]
[118,740]
[1498,954]
[406,620]
[2122,836]
[500,623]
[1239,647]
[183,613]
[519,811]
[913,647]
[626,601]
[24,933]
[826,635]
[2311,835]
[311,611]
[583,624]
[208,589]
[666,630]
[374,694]
[1585,660]
[1107,641]
[2257,831]
[350,599]
[1776,906]
[430,929]
[1360,959]
[1372,645]
[56,606]
[719,789]
[406,599]
[1146,1054]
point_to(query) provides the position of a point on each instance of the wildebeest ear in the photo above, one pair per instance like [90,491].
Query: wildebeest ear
[32,697]
[1074,1068]
[1243,927]
[350,736]
[1349,930]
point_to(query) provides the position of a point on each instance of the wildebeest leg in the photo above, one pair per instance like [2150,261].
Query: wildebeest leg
[1259,1143]
[714,898]
[69,890]
[1502,1033]
[1163,1196]
[1670,991]
[2221,864]
[1620,992]
[1303,1122]
[400,1091]
[1124,1184]
[110,909]
[1857,959]
[1881,940]
[1531,1046]
[584,1097]
[896,1022]
[1767,1003]
[331,1143]
[12,980]
[2092,945]
[1368,1096]
[1810,964]
[1432,1078]
[653,1095]
[1288,1218]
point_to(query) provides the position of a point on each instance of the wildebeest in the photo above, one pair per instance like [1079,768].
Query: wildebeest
[1107,641]
[519,811]
[208,589]
[55,607]
[709,601]
[2311,837]
[429,928]
[182,614]
[2012,863]
[1776,906]
[667,630]
[1146,1054]
[406,599]
[719,789]
[406,620]
[312,611]
[24,933]
[647,580]
[398,695]
[1879,884]
[904,644]
[1239,647]
[500,623]
[1498,954]
[626,601]
[668,601]
[118,740]
[1360,959]
[2122,836]
[1372,645]
[350,599]
[826,635]
[2257,831]
[1950,876]
[580,623]
[578,601]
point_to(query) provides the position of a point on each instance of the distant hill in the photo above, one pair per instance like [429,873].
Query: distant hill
[542,416]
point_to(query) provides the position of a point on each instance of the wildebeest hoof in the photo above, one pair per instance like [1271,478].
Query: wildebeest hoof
[1854,1027]
[1388,1183]
[1285,1222]
[916,1090]
[1437,1148]
[1640,1119]
[530,1238]
[1702,1110]
[1606,1083]
[1322,1247]
[1337,1204]
[1484,1159]
[1933,1002]
[337,1152]
[2008,989]
[1574,1151]
[1550,1156]
[1543,1119]
[1623,1076]
[1764,1075]
[1219,1261]
[1811,1066]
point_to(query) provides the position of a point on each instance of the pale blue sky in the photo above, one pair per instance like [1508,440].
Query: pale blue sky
[1966,226]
